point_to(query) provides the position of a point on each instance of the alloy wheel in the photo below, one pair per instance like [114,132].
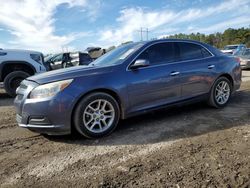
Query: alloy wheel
[222,92]
[98,116]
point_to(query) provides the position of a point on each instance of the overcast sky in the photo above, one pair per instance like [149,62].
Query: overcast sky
[50,25]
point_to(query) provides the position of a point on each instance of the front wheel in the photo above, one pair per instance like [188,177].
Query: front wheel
[220,93]
[96,115]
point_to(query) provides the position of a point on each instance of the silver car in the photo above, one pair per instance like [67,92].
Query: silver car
[245,59]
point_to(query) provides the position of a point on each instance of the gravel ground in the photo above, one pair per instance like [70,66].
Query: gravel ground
[190,146]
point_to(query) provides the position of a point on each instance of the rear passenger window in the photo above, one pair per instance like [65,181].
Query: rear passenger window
[190,51]
[159,53]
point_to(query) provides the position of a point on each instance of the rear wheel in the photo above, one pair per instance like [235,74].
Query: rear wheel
[13,80]
[96,115]
[220,93]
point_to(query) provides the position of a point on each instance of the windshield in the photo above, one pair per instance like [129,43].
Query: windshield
[246,52]
[51,57]
[117,55]
[48,57]
[230,47]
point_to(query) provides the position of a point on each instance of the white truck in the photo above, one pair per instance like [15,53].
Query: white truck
[16,65]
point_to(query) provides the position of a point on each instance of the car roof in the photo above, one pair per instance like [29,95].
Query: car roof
[167,40]
[173,40]
[89,49]
[177,40]
[20,51]
[211,49]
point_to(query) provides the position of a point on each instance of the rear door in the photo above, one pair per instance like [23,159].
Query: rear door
[158,83]
[197,69]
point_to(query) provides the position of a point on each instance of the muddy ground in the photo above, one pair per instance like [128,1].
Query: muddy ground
[191,146]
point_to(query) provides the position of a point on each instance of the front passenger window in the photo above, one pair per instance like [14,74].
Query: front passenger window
[161,53]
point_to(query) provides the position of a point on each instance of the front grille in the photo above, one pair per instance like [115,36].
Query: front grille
[24,89]
[19,96]
[22,94]
[18,118]
[22,86]
[21,91]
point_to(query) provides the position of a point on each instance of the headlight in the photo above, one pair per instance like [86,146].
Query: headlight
[49,90]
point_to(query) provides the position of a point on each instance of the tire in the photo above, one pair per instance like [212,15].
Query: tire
[13,80]
[215,99]
[89,120]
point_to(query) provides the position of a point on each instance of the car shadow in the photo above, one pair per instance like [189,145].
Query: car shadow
[5,99]
[171,124]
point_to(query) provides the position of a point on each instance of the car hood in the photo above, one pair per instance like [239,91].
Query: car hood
[68,73]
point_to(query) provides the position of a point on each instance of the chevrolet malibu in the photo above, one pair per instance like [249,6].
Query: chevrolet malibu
[132,79]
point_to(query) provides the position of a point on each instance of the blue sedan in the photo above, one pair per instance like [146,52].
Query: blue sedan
[132,79]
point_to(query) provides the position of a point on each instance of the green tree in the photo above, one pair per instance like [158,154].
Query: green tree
[219,40]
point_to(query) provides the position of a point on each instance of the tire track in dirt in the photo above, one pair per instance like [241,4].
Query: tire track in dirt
[25,139]
[29,159]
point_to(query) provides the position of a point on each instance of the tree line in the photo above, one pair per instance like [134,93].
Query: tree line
[219,40]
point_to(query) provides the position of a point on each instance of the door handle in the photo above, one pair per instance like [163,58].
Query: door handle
[174,73]
[210,66]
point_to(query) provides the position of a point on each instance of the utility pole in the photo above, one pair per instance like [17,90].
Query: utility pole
[147,33]
[142,31]
[141,34]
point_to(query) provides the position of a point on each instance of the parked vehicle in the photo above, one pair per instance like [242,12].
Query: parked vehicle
[234,49]
[245,59]
[82,58]
[16,65]
[95,52]
[69,59]
[129,80]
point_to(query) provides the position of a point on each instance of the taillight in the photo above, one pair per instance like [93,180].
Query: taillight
[237,59]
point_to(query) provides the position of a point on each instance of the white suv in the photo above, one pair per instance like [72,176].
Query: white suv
[16,65]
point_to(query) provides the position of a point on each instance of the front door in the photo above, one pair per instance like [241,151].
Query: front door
[156,84]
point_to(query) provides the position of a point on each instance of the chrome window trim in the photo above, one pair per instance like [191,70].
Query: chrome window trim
[176,62]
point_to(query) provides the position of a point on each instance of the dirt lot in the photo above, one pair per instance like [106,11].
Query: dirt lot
[191,146]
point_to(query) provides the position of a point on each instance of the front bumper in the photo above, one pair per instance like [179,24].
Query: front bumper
[49,116]
[44,129]
[49,129]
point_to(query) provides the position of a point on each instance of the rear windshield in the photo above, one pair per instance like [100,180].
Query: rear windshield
[247,52]
[230,47]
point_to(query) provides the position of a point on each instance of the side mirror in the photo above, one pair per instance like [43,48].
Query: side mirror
[140,63]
